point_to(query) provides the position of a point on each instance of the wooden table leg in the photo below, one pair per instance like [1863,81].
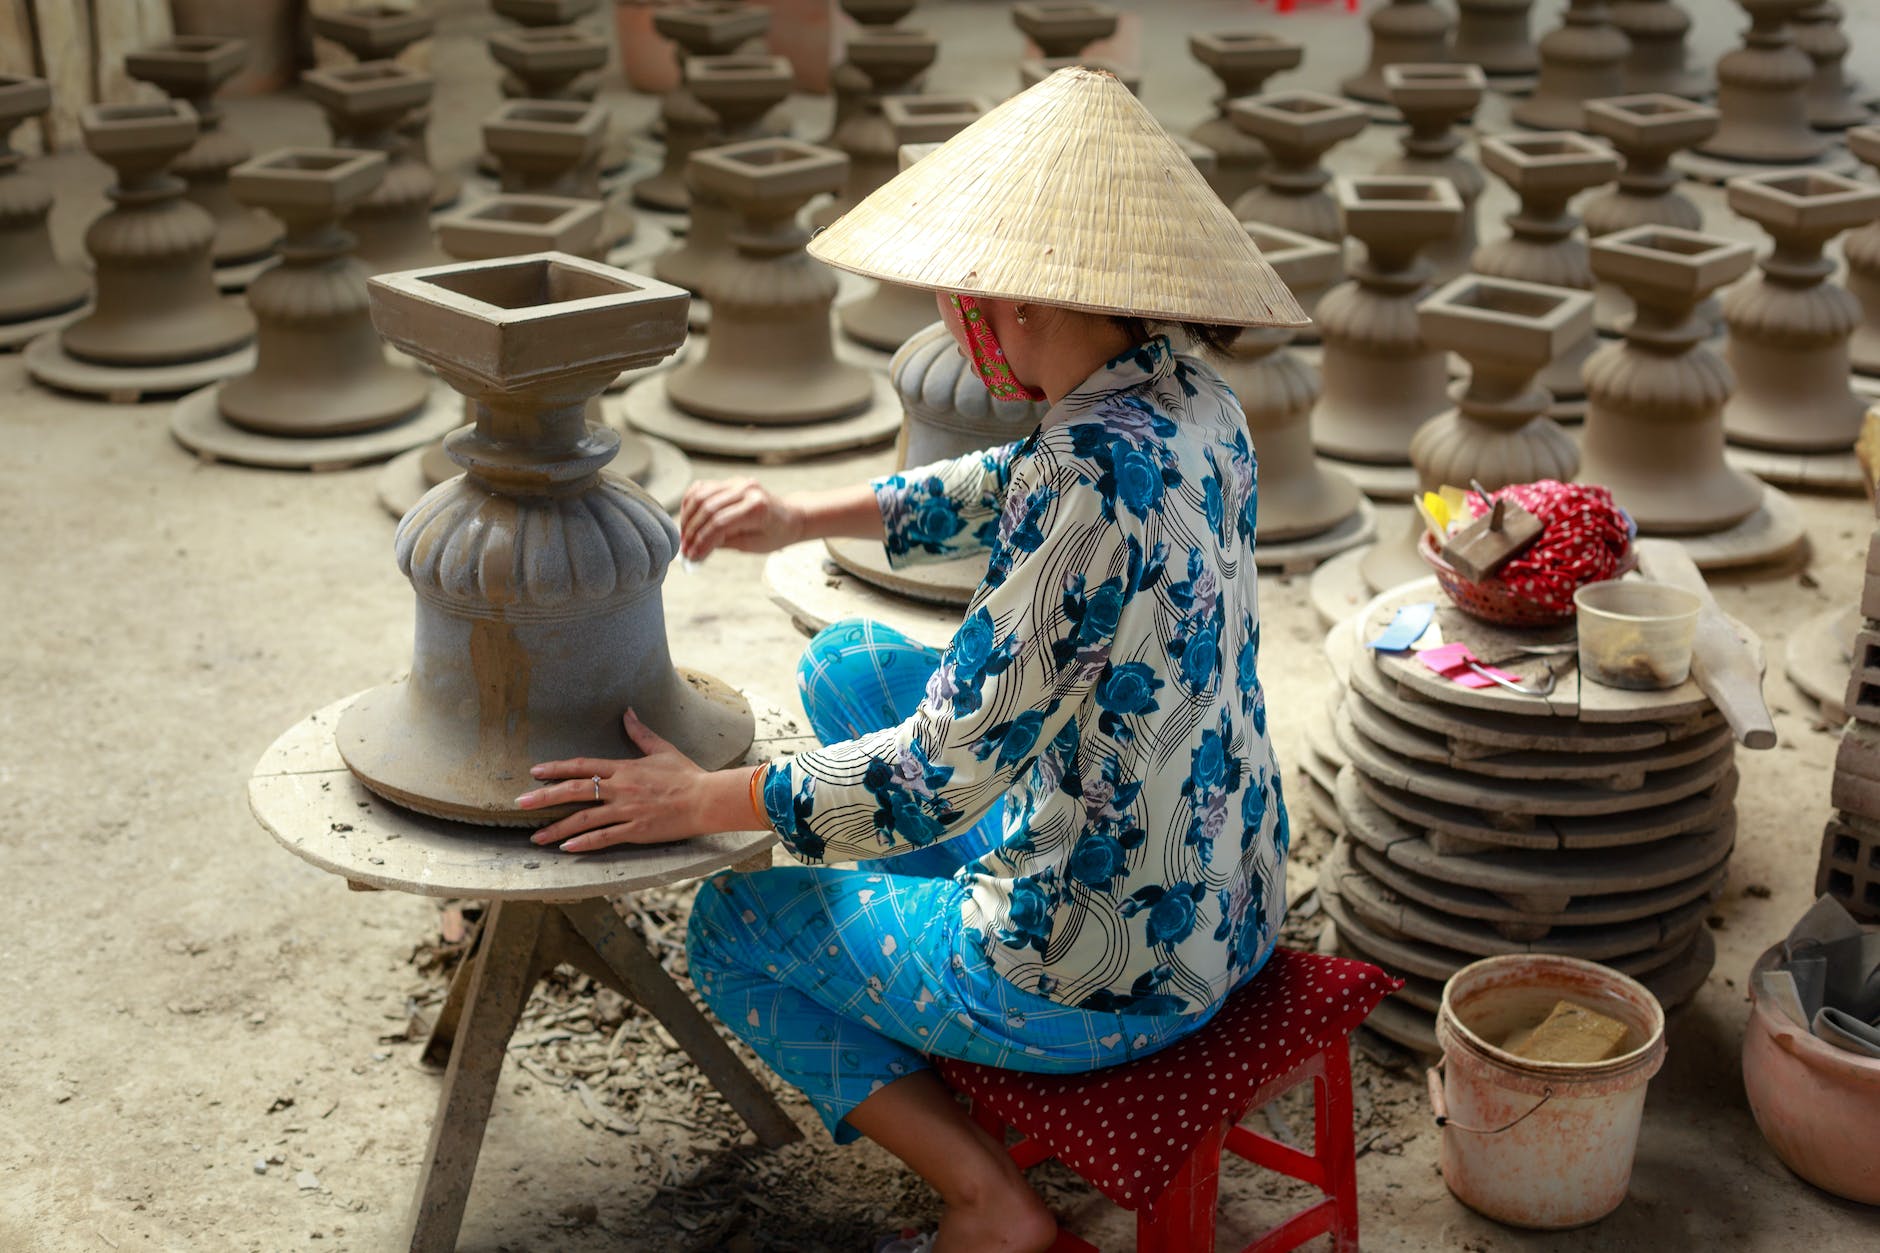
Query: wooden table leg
[653,989]
[505,974]
[444,1031]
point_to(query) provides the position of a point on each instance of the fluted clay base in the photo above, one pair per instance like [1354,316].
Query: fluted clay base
[49,364]
[198,425]
[405,478]
[230,279]
[1820,657]
[650,410]
[804,582]
[932,582]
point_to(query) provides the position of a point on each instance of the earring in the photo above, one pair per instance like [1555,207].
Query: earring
[1021,315]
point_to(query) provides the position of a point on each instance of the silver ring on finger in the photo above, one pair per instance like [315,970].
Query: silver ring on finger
[596,780]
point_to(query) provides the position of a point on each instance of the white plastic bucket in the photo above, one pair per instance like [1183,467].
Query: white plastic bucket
[1540,1144]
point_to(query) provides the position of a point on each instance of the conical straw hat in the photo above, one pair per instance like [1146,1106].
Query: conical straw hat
[1069,194]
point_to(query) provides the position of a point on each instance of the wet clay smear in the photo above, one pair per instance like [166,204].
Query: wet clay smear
[1570,1033]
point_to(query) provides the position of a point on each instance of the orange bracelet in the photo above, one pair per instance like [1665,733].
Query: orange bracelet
[757,803]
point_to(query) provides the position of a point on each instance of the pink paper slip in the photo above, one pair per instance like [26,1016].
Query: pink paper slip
[1452,662]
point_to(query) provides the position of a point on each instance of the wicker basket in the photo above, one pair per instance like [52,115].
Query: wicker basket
[1494,601]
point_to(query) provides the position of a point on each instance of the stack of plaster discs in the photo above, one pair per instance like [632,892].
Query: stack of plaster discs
[1474,822]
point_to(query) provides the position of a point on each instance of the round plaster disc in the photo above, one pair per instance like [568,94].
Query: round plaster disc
[1337,588]
[1774,533]
[650,238]
[1810,472]
[1297,556]
[805,583]
[198,425]
[1706,169]
[934,582]
[18,334]
[1820,657]
[237,277]
[1380,482]
[49,363]
[650,411]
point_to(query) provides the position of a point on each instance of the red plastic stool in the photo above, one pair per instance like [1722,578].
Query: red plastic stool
[1287,6]
[1149,1134]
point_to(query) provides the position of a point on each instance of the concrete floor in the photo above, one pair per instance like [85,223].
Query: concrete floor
[169,977]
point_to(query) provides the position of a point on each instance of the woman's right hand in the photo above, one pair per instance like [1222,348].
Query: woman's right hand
[740,514]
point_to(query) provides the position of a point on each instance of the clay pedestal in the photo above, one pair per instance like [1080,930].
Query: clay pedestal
[768,383]
[1543,245]
[1242,62]
[1382,381]
[1402,32]
[1064,28]
[539,615]
[890,59]
[1494,35]
[1830,101]
[380,33]
[885,318]
[1789,327]
[1584,59]
[702,30]
[549,62]
[554,16]
[850,86]
[1657,62]
[192,69]
[156,301]
[547,147]
[1298,128]
[1862,250]
[1654,424]
[1433,99]
[367,105]
[1762,93]
[1307,512]
[37,288]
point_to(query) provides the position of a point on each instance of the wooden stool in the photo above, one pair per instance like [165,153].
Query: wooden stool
[1149,1134]
[547,909]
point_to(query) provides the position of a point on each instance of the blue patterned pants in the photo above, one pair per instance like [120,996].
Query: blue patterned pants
[846,980]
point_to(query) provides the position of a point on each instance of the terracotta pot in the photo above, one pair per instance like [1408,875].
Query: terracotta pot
[1817,1105]
[649,60]
[270,28]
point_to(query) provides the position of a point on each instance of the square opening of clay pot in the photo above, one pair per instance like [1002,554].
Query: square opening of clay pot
[547,112]
[120,114]
[529,283]
[1526,323]
[1299,260]
[1675,261]
[521,211]
[1502,299]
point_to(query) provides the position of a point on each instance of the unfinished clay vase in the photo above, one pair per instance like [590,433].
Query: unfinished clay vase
[1242,62]
[1298,128]
[537,576]
[889,59]
[1830,98]
[1654,421]
[1064,28]
[1584,59]
[192,68]
[1277,390]
[366,106]
[1494,35]
[547,147]
[848,84]
[1382,381]
[1762,92]
[770,360]
[549,62]
[319,367]
[156,300]
[381,33]
[1789,327]
[1646,130]
[1402,32]
[1498,431]
[35,284]
[700,30]
[1862,250]
[1543,243]
[555,16]
[885,317]
[1433,99]
[1657,62]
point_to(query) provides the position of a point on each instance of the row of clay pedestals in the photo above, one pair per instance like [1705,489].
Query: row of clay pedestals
[1470,823]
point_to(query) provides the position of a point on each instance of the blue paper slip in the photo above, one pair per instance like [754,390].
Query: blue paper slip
[1406,628]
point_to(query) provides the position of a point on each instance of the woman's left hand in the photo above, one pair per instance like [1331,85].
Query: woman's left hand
[653,799]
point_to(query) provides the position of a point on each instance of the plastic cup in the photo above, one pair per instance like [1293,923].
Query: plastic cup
[1636,634]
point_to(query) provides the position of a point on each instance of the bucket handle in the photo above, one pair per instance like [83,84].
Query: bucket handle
[1434,1077]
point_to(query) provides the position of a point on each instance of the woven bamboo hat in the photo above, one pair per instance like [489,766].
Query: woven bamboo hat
[1067,194]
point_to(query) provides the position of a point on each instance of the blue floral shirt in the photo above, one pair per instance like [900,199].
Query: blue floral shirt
[1103,683]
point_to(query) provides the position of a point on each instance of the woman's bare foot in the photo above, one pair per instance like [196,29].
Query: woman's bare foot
[1008,1218]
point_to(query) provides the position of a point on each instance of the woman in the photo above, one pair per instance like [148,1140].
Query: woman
[1070,822]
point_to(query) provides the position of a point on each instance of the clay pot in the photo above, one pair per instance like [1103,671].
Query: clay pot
[1789,327]
[1582,59]
[1654,418]
[1861,248]
[37,284]
[556,148]
[770,359]
[537,576]
[1064,28]
[551,15]
[1762,92]
[1277,389]
[319,368]
[1402,31]
[366,105]
[1656,31]
[1298,128]
[1242,61]
[156,301]
[382,34]
[1382,381]
[192,68]
[1646,130]
[700,30]
[1816,1105]
[889,59]
[851,86]
[549,62]
[1494,35]
[1830,101]
[271,32]
[1433,99]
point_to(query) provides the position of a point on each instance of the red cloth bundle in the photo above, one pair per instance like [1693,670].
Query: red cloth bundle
[1585,540]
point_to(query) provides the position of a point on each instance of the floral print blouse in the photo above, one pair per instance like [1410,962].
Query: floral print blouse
[1103,683]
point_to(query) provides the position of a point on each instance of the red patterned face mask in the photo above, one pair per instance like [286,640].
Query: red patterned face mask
[982,348]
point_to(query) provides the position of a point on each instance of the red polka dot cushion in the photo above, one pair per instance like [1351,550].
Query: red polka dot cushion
[1129,1128]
